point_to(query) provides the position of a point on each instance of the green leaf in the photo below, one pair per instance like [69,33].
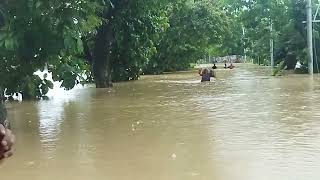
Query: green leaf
[79,45]
[9,44]
[38,4]
[44,89]
[49,84]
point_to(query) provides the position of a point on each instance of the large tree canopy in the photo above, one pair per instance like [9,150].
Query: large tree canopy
[107,40]
[288,33]
[193,28]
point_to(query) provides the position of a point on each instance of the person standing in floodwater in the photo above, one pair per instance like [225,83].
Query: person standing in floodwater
[206,74]
[231,66]
[214,66]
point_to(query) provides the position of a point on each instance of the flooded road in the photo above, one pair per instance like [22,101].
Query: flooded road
[245,125]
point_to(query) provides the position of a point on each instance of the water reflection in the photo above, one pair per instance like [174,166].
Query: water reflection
[50,117]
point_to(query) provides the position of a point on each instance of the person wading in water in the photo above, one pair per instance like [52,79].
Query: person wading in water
[206,74]
[214,66]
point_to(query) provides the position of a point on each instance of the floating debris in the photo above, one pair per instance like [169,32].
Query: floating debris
[173,156]
[195,174]
[31,163]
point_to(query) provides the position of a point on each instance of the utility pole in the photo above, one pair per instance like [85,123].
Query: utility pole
[244,44]
[271,46]
[309,32]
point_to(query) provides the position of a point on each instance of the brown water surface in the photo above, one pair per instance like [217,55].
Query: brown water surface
[245,125]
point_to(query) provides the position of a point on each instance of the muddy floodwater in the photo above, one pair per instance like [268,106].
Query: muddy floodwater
[244,125]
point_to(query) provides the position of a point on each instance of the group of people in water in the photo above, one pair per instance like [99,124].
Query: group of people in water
[231,66]
[207,73]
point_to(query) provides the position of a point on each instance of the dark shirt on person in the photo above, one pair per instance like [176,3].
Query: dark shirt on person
[214,67]
[206,77]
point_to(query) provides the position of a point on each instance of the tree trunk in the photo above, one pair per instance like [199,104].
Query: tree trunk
[102,57]
[102,52]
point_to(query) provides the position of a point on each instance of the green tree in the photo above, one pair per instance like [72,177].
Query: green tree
[288,30]
[38,34]
[194,26]
[125,40]
[102,40]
